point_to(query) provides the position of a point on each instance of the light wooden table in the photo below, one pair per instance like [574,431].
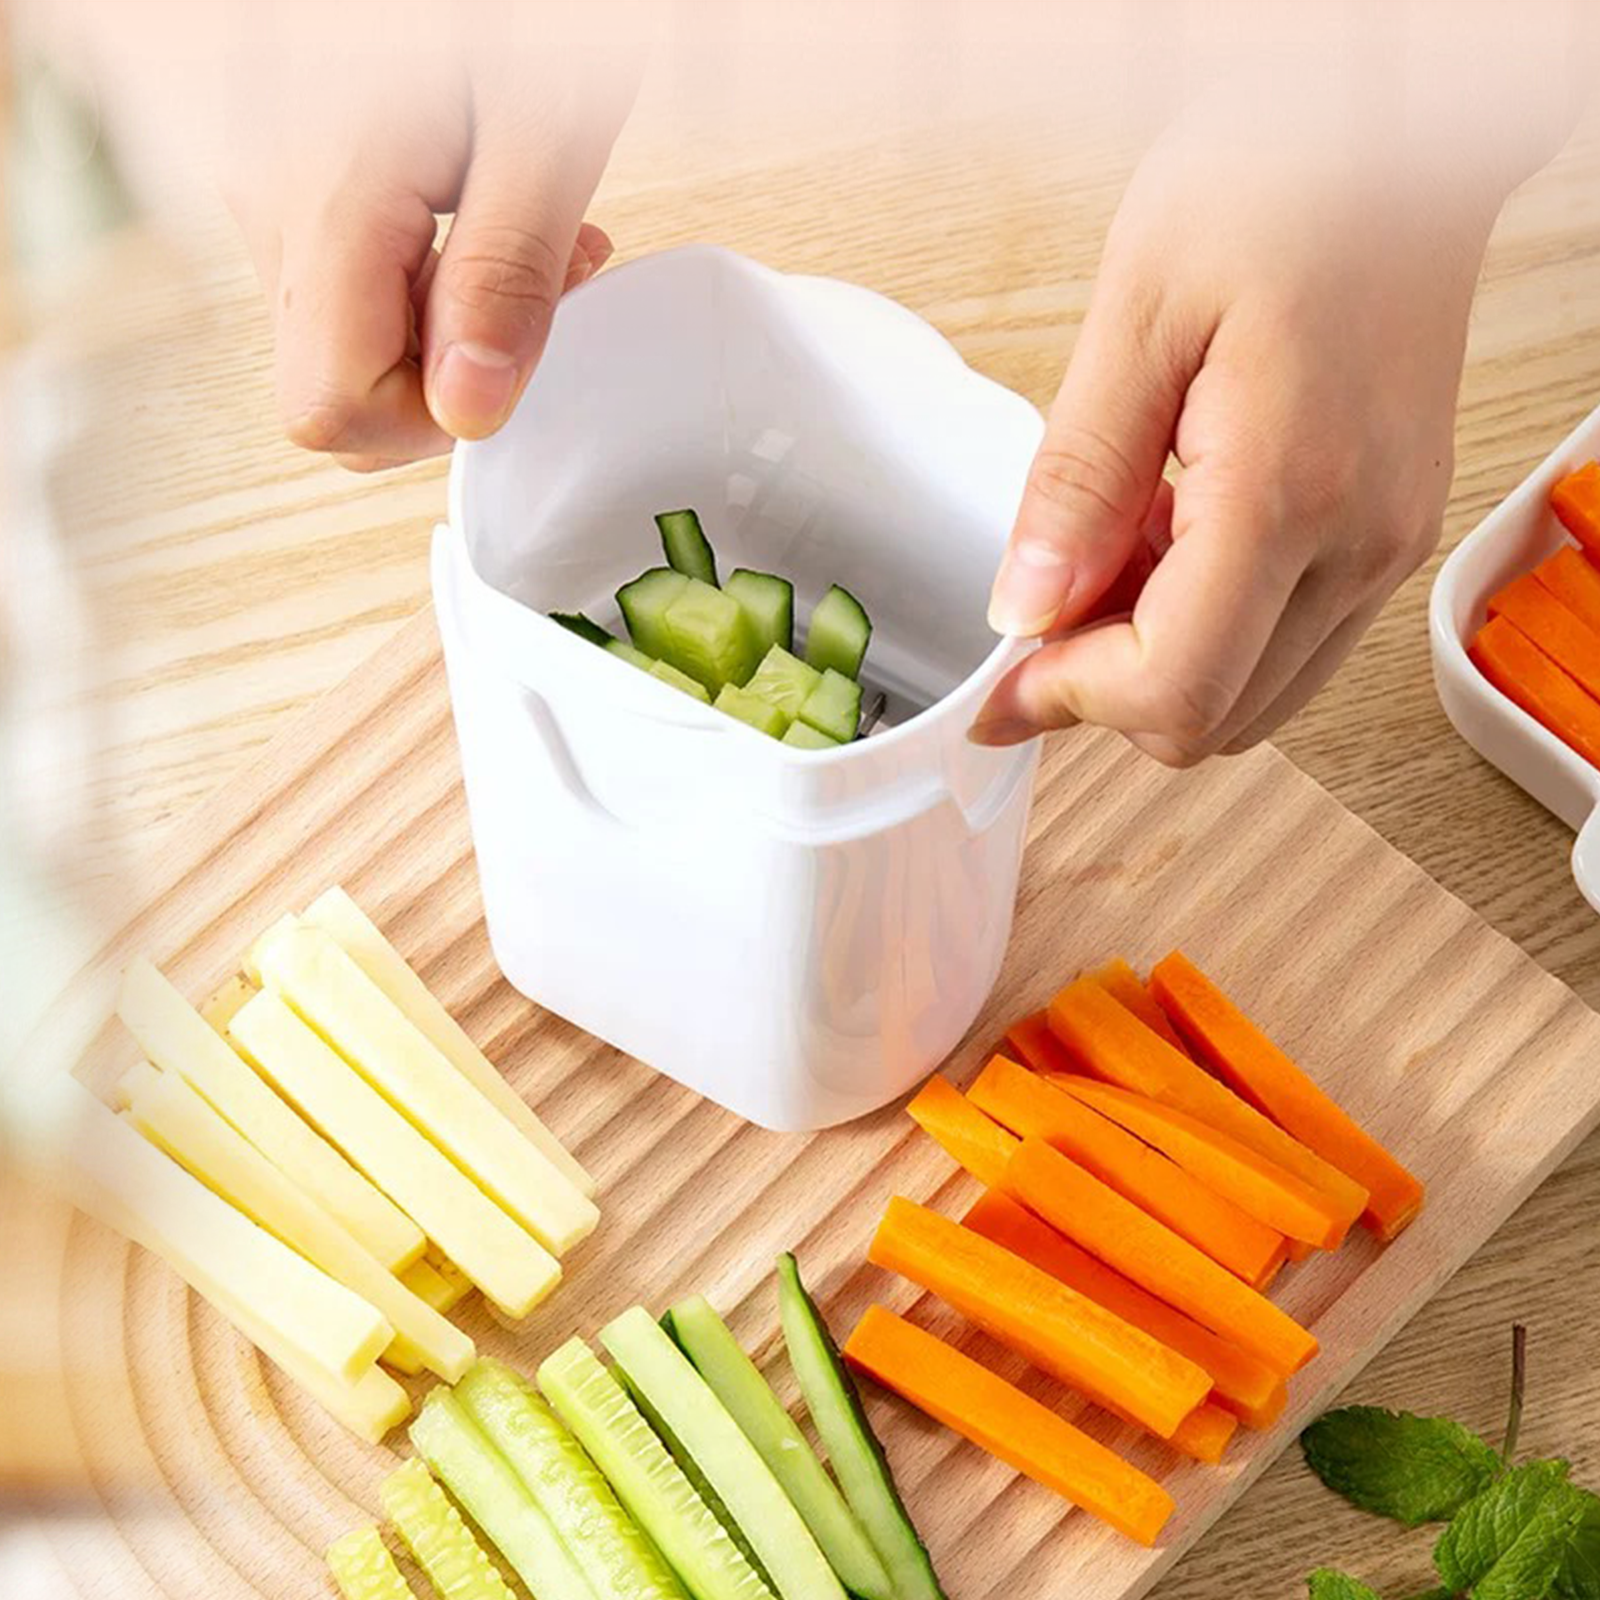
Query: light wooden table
[230,580]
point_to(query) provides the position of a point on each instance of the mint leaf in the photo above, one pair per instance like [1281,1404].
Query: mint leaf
[1513,1520]
[1393,1464]
[1326,1584]
[1579,1577]
[1529,1568]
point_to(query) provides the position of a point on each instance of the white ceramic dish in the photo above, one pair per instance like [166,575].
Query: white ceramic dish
[1517,534]
[799,936]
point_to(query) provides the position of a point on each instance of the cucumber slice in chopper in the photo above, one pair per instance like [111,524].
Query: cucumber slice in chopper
[768,601]
[644,605]
[634,656]
[834,707]
[784,681]
[804,737]
[709,636]
[669,674]
[687,548]
[761,714]
[839,633]
[584,627]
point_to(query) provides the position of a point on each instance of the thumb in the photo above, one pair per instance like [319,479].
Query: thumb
[1094,479]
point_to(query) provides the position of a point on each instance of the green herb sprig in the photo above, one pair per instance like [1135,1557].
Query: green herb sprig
[1512,1532]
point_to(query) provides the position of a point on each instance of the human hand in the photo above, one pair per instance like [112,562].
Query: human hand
[1295,339]
[388,349]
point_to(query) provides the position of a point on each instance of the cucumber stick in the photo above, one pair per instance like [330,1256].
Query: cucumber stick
[687,549]
[768,601]
[363,1568]
[741,1479]
[479,1476]
[644,605]
[783,680]
[839,633]
[614,1553]
[833,707]
[435,1534]
[853,1448]
[709,636]
[761,714]
[584,627]
[647,1480]
[737,1382]
[805,737]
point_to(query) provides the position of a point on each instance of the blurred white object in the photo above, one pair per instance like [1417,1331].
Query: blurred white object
[1513,538]
[799,936]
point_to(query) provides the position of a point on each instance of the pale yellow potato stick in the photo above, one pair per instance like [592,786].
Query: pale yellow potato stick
[130,1184]
[327,989]
[337,914]
[218,1010]
[427,1282]
[169,1113]
[511,1267]
[174,1036]
[252,956]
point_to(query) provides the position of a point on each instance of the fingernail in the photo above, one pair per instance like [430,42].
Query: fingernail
[473,389]
[1030,591]
[582,269]
[1001,731]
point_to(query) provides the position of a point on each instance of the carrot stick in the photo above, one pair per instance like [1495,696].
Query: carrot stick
[983,1147]
[1574,581]
[1077,1204]
[1032,1041]
[1063,1332]
[1204,1434]
[1576,500]
[1241,1053]
[1029,1105]
[1265,1279]
[1525,675]
[1254,1184]
[1121,982]
[1299,1250]
[998,1417]
[1569,641]
[1122,1051]
[1243,1383]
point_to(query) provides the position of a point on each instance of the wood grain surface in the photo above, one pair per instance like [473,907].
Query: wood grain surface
[225,581]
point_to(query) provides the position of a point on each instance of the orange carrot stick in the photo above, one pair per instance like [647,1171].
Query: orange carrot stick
[1122,1051]
[1569,641]
[1299,1250]
[998,1417]
[1525,675]
[1257,1186]
[1121,982]
[1032,1041]
[983,1147]
[1265,1279]
[1077,1204]
[1063,1332]
[1243,1383]
[1574,581]
[1576,500]
[1204,1434]
[1029,1105]
[1241,1053]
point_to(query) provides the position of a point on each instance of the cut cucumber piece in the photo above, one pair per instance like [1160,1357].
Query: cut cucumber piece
[667,673]
[853,1448]
[730,1463]
[804,737]
[632,654]
[644,605]
[838,634]
[613,1552]
[737,1382]
[647,1480]
[688,550]
[481,1479]
[435,1534]
[584,627]
[834,707]
[784,680]
[768,601]
[762,715]
[363,1568]
[709,636]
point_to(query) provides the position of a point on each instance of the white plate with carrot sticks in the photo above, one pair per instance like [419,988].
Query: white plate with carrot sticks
[1515,628]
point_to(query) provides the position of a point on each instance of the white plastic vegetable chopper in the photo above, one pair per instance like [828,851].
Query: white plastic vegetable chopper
[801,936]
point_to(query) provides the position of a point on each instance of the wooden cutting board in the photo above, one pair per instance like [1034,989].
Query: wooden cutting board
[216,1479]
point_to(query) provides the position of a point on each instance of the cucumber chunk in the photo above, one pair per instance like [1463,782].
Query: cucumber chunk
[783,680]
[584,627]
[762,715]
[768,601]
[834,707]
[853,1448]
[839,633]
[613,1552]
[435,1534]
[688,550]
[708,636]
[805,737]
[482,1480]
[646,1478]
[667,673]
[634,656]
[737,1382]
[363,1568]
[644,605]
[731,1464]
